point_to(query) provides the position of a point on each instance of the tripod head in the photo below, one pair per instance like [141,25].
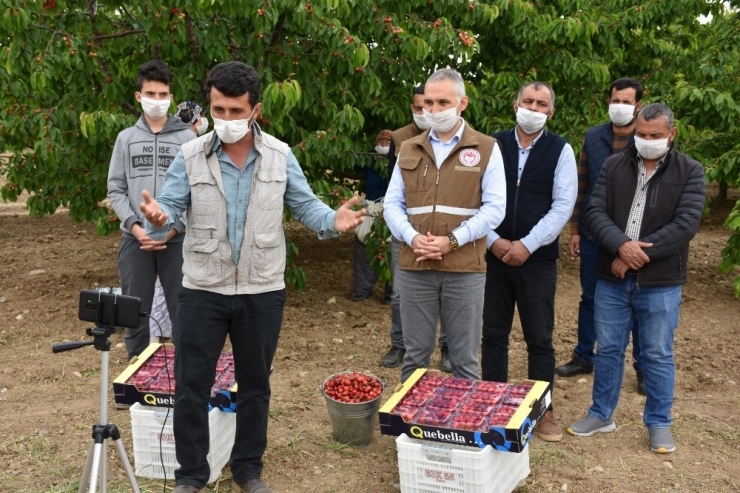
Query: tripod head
[108,310]
[101,341]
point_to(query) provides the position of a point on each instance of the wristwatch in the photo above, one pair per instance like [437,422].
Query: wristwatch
[453,242]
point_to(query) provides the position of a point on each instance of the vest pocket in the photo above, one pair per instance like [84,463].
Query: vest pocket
[204,196]
[415,177]
[201,263]
[270,189]
[268,263]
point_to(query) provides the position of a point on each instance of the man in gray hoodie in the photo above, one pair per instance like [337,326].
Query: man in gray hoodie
[140,160]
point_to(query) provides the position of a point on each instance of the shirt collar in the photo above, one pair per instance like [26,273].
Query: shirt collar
[516,136]
[455,138]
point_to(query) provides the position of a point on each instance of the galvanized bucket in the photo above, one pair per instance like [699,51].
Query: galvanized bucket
[352,423]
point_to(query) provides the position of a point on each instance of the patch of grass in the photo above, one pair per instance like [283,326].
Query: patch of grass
[341,448]
[547,456]
[291,442]
[707,428]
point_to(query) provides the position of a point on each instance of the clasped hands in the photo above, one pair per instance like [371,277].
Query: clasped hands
[512,253]
[430,247]
[630,256]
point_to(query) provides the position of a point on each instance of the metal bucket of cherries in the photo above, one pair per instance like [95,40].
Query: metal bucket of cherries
[353,399]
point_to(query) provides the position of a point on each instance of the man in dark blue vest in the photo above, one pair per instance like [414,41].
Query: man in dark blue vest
[541,188]
[602,141]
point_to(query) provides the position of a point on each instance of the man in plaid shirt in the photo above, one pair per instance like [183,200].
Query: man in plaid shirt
[602,141]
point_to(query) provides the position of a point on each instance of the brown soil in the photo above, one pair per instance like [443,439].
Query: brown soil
[48,401]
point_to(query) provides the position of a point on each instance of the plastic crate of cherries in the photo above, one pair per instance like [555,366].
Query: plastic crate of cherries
[459,403]
[157,374]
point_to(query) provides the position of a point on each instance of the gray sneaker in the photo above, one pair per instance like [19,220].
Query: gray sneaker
[590,425]
[661,441]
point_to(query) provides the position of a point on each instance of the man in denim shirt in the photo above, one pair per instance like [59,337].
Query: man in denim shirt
[234,183]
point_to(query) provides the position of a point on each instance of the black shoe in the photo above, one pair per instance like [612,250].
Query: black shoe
[444,359]
[251,486]
[187,488]
[575,366]
[641,383]
[387,294]
[393,357]
[360,297]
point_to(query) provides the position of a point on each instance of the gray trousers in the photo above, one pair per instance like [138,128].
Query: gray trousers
[138,271]
[455,299]
[396,326]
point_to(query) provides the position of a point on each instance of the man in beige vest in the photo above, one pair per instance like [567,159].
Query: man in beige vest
[234,183]
[447,192]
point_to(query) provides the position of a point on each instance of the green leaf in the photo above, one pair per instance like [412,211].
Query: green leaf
[361,56]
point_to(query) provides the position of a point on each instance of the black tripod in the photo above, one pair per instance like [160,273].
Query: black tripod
[96,466]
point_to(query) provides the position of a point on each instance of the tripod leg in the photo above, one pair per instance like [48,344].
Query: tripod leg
[126,465]
[88,466]
[104,467]
[97,456]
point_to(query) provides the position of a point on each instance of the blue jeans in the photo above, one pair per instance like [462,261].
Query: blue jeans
[584,350]
[618,306]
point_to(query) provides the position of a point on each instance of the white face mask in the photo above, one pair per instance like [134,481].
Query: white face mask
[651,149]
[621,114]
[230,131]
[203,127]
[530,122]
[421,121]
[382,149]
[442,121]
[155,108]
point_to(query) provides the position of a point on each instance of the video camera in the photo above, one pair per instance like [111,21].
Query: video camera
[109,309]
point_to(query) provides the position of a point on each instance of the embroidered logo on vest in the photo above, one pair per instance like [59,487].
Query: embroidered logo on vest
[469,157]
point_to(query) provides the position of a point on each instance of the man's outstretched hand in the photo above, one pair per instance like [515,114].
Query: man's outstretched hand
[346,219]
[152,212]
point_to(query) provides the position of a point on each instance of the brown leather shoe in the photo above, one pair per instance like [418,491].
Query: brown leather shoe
[548,429]
[188,488]
[251,486]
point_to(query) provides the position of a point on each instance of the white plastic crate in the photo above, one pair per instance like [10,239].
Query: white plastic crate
[431,467]
[146,425]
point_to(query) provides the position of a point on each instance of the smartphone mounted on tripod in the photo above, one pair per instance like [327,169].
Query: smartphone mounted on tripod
[109,309]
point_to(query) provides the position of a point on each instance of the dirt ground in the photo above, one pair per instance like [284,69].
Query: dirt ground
[49,401]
